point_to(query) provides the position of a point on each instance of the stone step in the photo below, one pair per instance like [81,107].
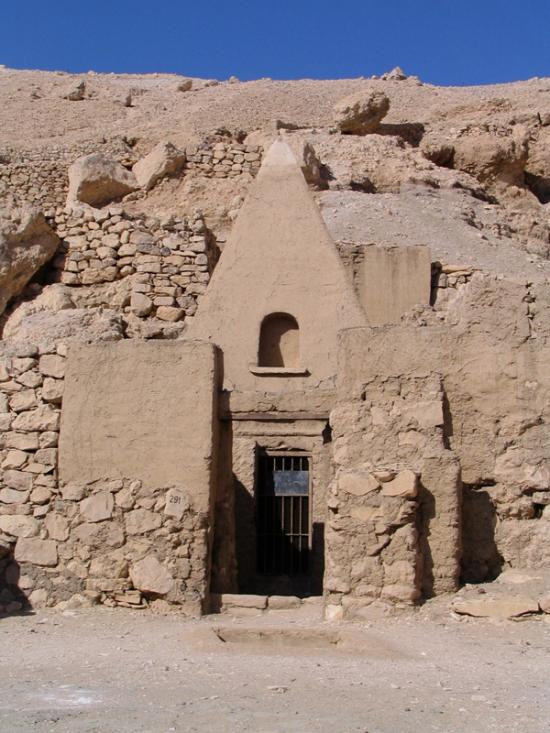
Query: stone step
[249,604]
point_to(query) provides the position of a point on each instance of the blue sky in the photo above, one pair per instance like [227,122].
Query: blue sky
[443,41]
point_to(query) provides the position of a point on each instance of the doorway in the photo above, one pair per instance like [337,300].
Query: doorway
[283,525]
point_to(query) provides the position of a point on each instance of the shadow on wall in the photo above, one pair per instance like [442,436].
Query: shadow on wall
[481,560]
[426,514]
[12,598]
[412,132]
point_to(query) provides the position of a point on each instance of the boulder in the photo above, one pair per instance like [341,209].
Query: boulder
[492,153]
[185,85]
[163,160]
[150,576]
[54,298]
[80,324]
[97,180]
[361,113]
[26,243]
[496,607]
[75,92]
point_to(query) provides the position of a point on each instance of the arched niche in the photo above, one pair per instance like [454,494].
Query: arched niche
[279,345]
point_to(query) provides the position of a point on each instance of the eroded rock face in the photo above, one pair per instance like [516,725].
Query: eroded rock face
[53,298]
[26,243]
[91,324]
[163,160]
[361,114]
[491,153]
[97,180]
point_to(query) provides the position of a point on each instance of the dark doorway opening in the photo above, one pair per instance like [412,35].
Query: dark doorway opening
[283,536]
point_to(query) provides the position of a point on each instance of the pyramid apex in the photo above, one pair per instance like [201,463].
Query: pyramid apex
[278,155]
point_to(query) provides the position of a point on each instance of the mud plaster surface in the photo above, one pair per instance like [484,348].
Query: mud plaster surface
[109,670]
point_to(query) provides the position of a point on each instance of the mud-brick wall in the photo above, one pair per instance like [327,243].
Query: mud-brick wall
[119,513]
[493,358]
[384,540]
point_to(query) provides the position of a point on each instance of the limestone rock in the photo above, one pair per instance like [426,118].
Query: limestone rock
[26,244]
[57,526]
[44,417]
[54,298]
[357,484]
[36,552]
[496,607]
[19,525]
[396,74]
[488,154]
[168,313]
[80,324]
[404,485]
[150,576]
[97,507]
[544,603]
[12,496]
[76,92]
[164,160]
[283,603]
[361,113]
[185,85]
[52,365]
[18,480]
[242,600]
[38,598]
[140,521]
[141,305]
[109,565]
[176,504]
[97,180]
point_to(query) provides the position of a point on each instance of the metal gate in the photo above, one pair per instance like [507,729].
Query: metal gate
[282,518]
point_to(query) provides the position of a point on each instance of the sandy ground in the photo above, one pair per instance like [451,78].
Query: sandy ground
[105,670]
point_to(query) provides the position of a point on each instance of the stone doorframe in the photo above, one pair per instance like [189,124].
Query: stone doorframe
[244,439]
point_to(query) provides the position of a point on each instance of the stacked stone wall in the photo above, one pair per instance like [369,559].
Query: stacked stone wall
[169,262]
[39,176]
[224,160]
[384,541]
[114,541]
